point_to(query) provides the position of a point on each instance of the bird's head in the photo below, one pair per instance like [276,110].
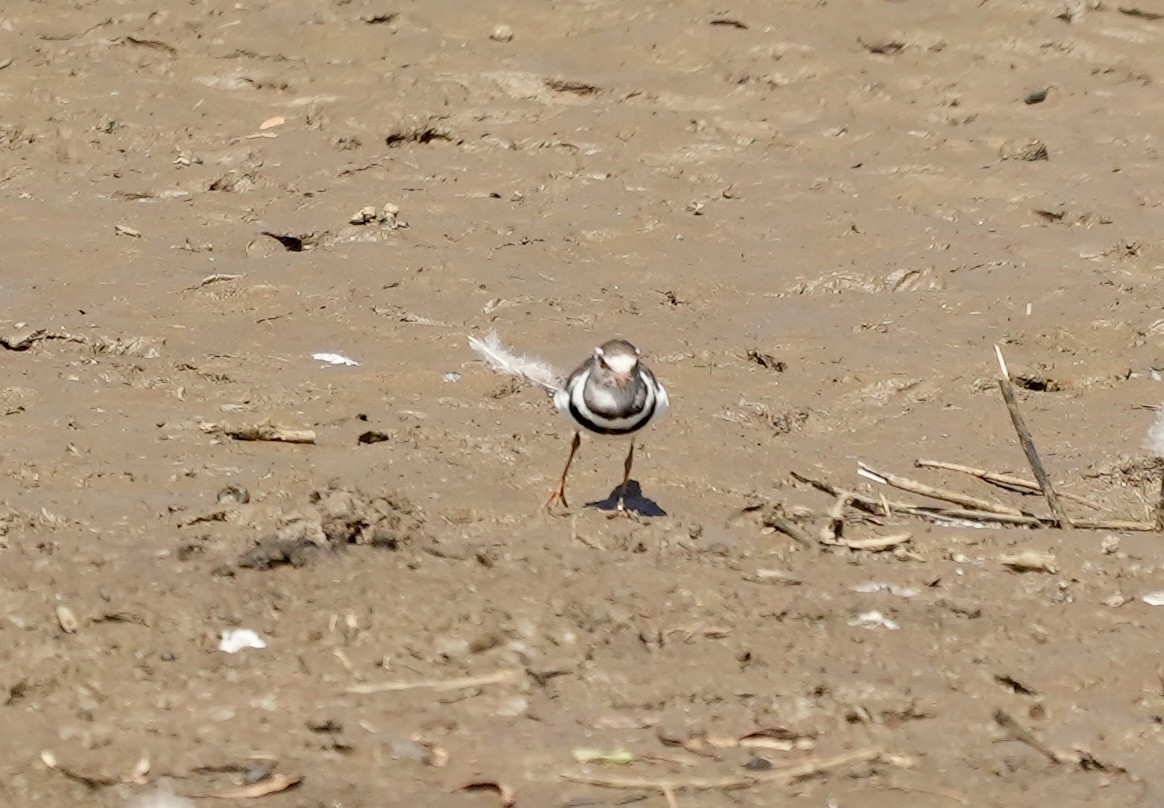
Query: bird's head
[617,360]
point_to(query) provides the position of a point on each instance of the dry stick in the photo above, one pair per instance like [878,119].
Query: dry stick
[495,678]
[1004,480]
[914,487]
[1160,506]
[1021,734]
[271,432]
[786,775]
[832,531]
[883,507]
[1113,524]
[669,796]
[937,792]
[1024,435]
[774,519]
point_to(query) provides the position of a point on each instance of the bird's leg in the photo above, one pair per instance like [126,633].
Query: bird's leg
[559,493]
[626,470]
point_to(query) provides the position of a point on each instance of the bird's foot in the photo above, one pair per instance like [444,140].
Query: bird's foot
[556,496]
[621,510]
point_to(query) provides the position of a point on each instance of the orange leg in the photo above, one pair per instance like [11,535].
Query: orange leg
[626,470]
[559,493]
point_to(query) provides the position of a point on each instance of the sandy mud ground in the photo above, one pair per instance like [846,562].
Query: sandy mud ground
[817,219]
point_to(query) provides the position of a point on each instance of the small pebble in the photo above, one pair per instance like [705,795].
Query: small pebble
[405,749]
[1036,96]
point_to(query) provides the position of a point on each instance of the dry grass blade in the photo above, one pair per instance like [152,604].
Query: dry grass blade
[788,774]
[439,685]
[1003,480]
[884,507]
[272,785]
[915,487]
[1028,444]
[1114,524]
[877,544]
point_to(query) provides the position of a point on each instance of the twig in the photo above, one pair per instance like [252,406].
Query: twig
[775,519]
[1019,733]
[876,544]
[1160,506]
[674,784]
[914,487]
[883,507]
[937,792]
[669,796]
[270,432]
[788,774]
[440,685]
[832,531]
[811,768]
[217,277]
[1113,524]
[1003,480]
[1024,436]
[1080,756]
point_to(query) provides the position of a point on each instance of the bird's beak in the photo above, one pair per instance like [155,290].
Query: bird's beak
[622,378]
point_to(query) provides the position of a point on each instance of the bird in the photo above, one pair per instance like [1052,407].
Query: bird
[613,394]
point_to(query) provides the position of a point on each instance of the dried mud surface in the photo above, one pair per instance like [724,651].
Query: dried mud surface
[816,219]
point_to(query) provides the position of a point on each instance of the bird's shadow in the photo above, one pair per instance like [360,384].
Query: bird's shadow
[635,502]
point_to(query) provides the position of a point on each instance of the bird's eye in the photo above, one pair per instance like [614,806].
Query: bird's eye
[602,361]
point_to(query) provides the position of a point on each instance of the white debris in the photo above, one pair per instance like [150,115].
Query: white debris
[236,639]
[336,359]
[1154,441]
[452,377]
[161,799]
[882,586]
[1154,598]
[874,619]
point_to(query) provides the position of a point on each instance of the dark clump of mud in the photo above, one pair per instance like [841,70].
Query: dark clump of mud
[336,517]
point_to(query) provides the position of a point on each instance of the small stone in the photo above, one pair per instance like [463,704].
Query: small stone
[1036,96]
[513,707]
[233,495]
[405,749]
[677,730]
[501,33]
[388,216]
[451,647]
[1030,151]
[365,215]
[67,620]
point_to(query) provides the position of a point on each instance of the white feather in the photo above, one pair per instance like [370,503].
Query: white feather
[503,360]
[162,799]
[1154,442]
